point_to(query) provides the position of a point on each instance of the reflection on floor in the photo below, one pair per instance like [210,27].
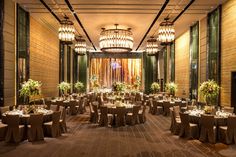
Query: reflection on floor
[152,139]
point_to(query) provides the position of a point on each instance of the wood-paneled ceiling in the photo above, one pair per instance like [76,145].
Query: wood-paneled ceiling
[136,14]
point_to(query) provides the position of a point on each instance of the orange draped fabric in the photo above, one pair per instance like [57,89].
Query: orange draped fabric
[109,70]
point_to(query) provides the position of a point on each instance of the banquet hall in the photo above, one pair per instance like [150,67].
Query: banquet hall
[118,78]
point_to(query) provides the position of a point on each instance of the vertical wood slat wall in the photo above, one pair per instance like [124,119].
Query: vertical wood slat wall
[44,57]
[228,50]
[9,53]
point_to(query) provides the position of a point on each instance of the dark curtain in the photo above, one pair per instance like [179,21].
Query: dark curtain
[82,68]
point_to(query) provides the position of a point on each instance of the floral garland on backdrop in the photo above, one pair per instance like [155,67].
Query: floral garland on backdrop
[210,91]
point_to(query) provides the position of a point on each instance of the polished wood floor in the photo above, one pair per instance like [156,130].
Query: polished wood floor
[152,139]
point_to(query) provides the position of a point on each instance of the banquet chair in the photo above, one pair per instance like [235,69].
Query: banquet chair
[35,128]
[52,128]
[72,107]
[227,134]
[154,108]
[188,129]
[208,129]
[141,114]
[132,118]
[151,106]
[3,110]
[120,116]
[63,119]
[159,107]
[176,110]
[3,129]
[54,107]
[166,108]
[15,132]
[228,109]
[175,123]
[103,119]
[190,107]
[94,111]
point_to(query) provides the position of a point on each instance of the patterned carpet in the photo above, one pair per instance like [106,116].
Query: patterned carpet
[152,139]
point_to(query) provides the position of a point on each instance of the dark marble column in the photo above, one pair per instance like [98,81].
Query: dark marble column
[1,53]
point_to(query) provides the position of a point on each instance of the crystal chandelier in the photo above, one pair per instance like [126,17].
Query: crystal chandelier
[80,46]
[166,32]
[152,46]
[116,40]
[66,31]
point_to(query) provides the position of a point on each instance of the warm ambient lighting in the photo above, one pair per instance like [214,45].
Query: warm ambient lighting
[80,46]
[116,40]
[166,32]
[152,46]
[66,31]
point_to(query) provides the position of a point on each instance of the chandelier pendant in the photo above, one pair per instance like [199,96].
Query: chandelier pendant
[152,46]
[116,40]
[166,32]
[80,46]
[66,32]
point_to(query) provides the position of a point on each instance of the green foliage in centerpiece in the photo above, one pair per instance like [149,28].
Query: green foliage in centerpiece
[30,88]
[79,86]
[171,88]
[155,87]
[64,87]
[119,86]
[94,82]
[137,83]
[210,91]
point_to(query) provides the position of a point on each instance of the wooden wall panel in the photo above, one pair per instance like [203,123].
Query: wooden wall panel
[228,50]
[9,53]
[44,57]
[203,49]
[182,64]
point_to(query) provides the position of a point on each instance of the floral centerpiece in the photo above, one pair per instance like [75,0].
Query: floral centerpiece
[64,87]
[30,88]
[94,82]
[210,91]
[171,88]
[155,87]
[119,86]
[79,86]
[137,83]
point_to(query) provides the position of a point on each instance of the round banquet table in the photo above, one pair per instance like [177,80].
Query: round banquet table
[112,107]
[24,118]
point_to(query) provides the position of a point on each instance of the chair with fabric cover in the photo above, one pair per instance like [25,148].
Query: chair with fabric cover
[103,119]
[35,128]
[154,108]
[63,119]
[54,107]
[166,108]
[52,128]
[3,129]
[120,116]
[72,107]
[208,129]
[141,114]
[15,132]
[133,118]
[176,110]
[190,107]
[175,122]
[150,106]
[227,134]
[3,110]
[228,109]
[95,112]
[159,107]
[188,129]
[92,114]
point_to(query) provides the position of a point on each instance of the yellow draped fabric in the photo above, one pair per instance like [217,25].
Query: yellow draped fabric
[109,70]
